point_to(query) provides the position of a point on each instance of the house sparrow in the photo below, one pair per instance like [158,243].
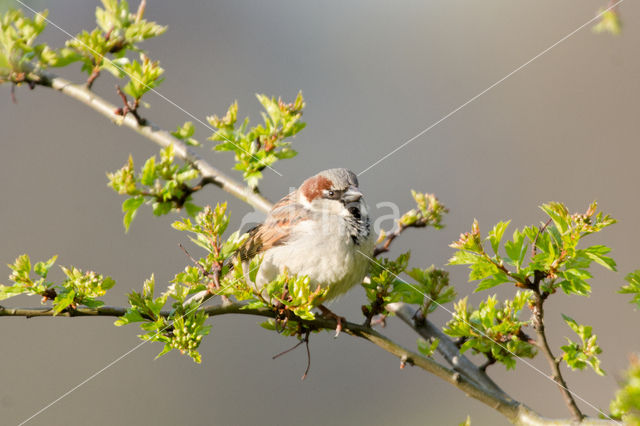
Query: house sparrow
[318,230]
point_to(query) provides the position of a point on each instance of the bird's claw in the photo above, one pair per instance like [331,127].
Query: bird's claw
[329,314]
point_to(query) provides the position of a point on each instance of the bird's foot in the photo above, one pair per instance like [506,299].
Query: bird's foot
[329,314]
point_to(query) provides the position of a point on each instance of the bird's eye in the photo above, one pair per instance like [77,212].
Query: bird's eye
[331,194]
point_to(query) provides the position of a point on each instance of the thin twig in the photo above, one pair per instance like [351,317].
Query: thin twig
[95,73]
[294,347]
[554,363]
[535,241]
[194,261]
[129,108]
[385,247]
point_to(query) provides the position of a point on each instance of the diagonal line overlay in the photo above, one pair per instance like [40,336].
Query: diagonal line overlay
[137,80]
[398,148]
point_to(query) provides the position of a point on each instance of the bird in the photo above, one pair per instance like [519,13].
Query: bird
[321,230]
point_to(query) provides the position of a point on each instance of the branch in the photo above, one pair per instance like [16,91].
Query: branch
[386,244]
[514,411]
[446,347]
[155,134]
[554,364]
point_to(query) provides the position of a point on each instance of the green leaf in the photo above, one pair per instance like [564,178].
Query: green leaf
[10,291]
[108,283]
[493,329]
[63,301]
[128,318]
[261,146]
[42,268]
[22,266]
[597,253]
[495,235]
[185,133]
[626,405]
[162,208]
[579,356]
[558,214]
[462,257]
[467,422]
[149,172]
[609,23]
[633,287]
[130,207]
[575,282]
[516,249]
[497,279]
[192,209]
[482,269]
[426,348]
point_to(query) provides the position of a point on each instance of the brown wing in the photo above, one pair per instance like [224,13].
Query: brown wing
[275,230]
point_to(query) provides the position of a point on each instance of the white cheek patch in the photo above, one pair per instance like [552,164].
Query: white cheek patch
[306,203]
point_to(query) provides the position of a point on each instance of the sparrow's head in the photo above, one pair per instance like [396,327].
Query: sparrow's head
[331,189]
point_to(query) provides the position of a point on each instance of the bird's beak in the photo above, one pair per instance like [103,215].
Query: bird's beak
[351,195]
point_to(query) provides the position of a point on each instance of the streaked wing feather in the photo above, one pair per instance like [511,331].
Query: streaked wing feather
[276,229]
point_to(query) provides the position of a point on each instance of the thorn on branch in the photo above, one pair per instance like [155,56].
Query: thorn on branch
[403,362]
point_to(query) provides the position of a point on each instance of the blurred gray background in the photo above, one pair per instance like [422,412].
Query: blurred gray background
[374,74]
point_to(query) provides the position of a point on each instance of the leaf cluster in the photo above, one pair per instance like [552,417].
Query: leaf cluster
[555,260]
[609,22]
[430,286]
[430,289]
[428,348]
[633,287]
[184,326]
[626,405]
[78,288]
[182,329]
[383,280]
[578,356]
[17,45]
[540,260]
[291,297]
[163,184]
[258,147]
[493,329]
[208,228]
[118,31]
[143,76]
[429,212]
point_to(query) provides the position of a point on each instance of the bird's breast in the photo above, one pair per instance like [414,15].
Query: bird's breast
[322,250]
